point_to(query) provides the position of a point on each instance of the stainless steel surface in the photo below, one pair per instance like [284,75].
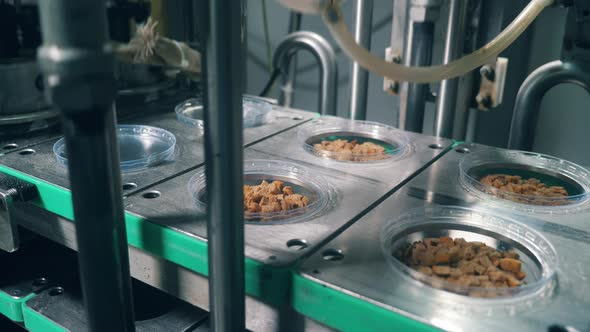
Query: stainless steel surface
[531,93]
[324,56]
[359,82]
[225,75]
[286,146]
[437,182]
[447,94]
[189,152]
[364,273]
[266,243]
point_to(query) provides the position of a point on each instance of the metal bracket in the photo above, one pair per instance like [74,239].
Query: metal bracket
[491,89]
[12,191]
[390,86]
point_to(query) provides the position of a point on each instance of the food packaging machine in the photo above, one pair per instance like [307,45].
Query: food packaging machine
[133,217]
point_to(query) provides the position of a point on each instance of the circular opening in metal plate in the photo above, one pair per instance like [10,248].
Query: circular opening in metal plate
[151,194]
[129,186]
[56,291]
[40,282]
[10,146]
[297,244]
[537,255]
[462,150]
[332,255]
[303,180]
[561,328]
[395,143]
[26,152]
[550,171]
[435,146]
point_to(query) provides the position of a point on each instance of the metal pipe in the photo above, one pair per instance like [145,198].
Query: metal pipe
[420,54]
[324,56]
[531,93]
[79,66]
[359,82]
[447,94]
[224,163]
[289,77]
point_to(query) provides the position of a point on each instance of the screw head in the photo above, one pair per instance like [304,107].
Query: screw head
[488,72]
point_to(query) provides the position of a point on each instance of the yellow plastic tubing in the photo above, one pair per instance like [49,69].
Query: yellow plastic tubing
[332,15]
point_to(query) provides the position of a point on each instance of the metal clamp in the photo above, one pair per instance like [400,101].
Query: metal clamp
[12,191]
[493,80]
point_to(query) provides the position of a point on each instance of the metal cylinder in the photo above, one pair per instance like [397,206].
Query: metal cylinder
[325,57]
[531,93]
[224,164]
[79,67]
[422,34]
[359,82]
[447,95]
[289,77]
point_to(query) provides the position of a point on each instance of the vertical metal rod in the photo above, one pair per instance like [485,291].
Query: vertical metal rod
[447,95]
[79,67]
[289,78]
[360,77]
[224,164]
[422,34]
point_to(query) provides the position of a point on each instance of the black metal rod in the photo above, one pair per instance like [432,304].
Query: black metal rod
[224,164]
[79,67]
[531,94]
[422,41]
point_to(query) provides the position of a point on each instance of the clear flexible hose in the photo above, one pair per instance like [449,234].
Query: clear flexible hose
[333,18]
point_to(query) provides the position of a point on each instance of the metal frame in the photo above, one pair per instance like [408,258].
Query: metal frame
[223,162]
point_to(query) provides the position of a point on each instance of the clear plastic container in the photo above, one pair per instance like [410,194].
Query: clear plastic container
[256,110]
[538,256]
[549,170]
[395,142]
[303,180]
[140,147]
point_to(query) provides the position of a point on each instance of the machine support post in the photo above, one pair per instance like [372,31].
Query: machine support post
[79,68]
[224,164]
[360,77]
[447,96]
